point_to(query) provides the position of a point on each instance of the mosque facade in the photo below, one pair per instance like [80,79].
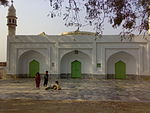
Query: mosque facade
[75,54]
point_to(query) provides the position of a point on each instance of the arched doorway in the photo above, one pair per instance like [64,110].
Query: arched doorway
[120,70]
[76,69]
[31,60]
[71,59]
[121,62]
[34,67]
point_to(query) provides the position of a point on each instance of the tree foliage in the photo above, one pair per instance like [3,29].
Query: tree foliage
[4,2]
[130,15]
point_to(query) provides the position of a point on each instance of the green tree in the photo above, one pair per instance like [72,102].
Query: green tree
[130,15]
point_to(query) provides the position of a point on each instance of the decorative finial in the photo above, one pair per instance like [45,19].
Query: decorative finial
[12,2]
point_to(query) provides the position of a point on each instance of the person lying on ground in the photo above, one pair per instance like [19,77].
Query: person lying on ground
[56,86]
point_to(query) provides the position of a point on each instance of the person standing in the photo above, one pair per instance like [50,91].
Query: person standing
[37,80]
[46,79]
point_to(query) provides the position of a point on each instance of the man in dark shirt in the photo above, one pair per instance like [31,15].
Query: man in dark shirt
[46,79]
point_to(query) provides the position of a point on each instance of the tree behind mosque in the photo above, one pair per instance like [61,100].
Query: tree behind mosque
[4,2]
[130,15]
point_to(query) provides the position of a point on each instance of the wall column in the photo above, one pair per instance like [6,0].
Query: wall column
[94,55]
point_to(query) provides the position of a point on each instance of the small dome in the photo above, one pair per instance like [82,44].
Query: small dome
[11,11]
[78,33]
[42,34]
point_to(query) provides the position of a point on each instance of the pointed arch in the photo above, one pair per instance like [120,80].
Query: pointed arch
[127,58]
[68,58]
[33,57]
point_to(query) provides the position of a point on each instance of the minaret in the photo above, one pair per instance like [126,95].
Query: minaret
[11,20]
[149,19]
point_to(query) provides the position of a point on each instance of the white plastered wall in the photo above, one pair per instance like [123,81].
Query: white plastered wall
[98,51]
[106,50]
[16,51]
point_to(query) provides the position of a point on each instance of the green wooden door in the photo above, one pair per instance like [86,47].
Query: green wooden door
[76,69]
[33,68]
[120,70]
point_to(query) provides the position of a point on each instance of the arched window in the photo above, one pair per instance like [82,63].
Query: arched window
[9,20]
[13,21]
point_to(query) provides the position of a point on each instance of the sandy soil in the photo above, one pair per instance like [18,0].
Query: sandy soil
[52,106]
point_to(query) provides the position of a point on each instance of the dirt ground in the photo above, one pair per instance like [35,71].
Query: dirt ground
[52,106]
[76,96]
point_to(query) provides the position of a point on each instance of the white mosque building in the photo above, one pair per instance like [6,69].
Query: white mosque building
[75,54]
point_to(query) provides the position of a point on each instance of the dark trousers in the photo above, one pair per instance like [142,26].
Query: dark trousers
[45,82]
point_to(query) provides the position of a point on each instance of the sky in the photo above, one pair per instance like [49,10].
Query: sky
[33,20]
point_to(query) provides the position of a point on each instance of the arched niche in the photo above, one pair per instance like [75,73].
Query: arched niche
[128,59]
[68,58]
[26,58]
